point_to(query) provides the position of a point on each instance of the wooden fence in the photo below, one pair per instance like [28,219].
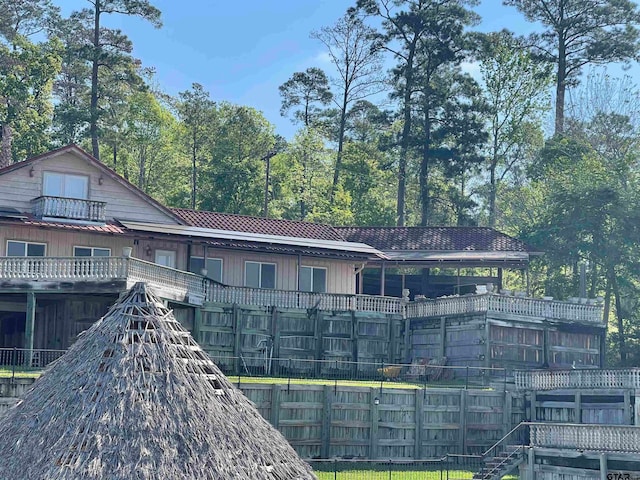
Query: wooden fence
[327,421]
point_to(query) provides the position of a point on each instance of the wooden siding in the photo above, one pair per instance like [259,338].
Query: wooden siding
[18,188]
[340,274]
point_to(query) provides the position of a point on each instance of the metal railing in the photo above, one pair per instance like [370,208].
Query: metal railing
[610,438]
[580,378]
[14,361]
[244,368]
[445,468]
[70,208]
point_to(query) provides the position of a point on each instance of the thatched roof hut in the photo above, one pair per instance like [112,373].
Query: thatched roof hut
[137,398]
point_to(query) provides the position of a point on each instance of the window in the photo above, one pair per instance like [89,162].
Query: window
[313,279]
[25,249]
[166,258]
[65,185]
[91,252]
[214,267]
[259,275]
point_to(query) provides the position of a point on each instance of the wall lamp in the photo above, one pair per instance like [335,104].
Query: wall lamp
[148,250]
[32,172]
[100,180]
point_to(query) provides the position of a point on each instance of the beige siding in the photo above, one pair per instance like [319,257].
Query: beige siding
[18,188]
[340,274]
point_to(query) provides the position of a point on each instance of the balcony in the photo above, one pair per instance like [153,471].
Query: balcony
[183,286]
[68,208]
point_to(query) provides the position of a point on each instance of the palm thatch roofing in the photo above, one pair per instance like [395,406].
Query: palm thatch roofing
[137,398]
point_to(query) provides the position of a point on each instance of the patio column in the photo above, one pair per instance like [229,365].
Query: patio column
[382,275]
[29,328]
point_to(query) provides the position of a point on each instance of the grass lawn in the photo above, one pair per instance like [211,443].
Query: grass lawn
[398,472]
[7,372]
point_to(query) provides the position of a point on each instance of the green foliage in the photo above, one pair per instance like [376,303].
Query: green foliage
[308,90]
[581,32]
[26,74]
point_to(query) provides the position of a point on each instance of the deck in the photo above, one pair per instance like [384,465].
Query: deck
[47,273]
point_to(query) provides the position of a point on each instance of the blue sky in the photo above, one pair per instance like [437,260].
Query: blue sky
[242,50]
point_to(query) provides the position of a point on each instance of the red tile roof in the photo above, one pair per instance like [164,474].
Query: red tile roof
[258,225]
[436,239]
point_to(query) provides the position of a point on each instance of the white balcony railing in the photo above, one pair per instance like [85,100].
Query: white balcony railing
[587,378]
[69,208]
[196,289]
[493,303]
[610,438]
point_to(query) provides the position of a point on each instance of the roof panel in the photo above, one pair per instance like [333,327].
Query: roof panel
[210,233]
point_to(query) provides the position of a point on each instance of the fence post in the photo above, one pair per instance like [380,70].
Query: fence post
[326,422]
[237,335]
[419,405]
[13,364]
[466,381]
[373,434]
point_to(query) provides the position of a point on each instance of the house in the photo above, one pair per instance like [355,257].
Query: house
[74,235]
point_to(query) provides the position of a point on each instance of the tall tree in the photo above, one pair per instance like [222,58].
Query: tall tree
[354,52]
[409,27]
[198,115]
[581,32]
[515,91]
[308,90]
[109,46]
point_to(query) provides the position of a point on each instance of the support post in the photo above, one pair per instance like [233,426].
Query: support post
[578,408]
[326,421]
[29,328]
[628,420]
[237,335]
[382,279]
[603,466]
[443,337]
[375,417]
[197,324]
[419,405]
[636,396]
[463,422]
[275,404]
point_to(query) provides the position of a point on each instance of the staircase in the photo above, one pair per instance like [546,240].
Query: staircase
[505,456]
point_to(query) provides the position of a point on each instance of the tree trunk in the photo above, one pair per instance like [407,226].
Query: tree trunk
[343,122]
[93,108]
[560,85]
[424,170]
[406,132]
[622,344]
[6,142]
[194,167]
[493,187]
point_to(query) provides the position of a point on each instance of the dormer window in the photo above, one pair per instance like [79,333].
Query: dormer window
[65,185]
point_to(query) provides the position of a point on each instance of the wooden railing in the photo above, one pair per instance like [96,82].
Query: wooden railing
[197,289]
[295,299]
[71,208]
[555,379]
[612,438]
[493,303]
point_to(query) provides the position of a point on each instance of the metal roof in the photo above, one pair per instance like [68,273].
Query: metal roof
[210,233]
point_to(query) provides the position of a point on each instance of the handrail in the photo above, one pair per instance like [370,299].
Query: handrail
[595,437]
[504,437]
[577,378]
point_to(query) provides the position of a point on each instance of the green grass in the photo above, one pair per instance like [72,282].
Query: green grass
[19,373]
[398,472]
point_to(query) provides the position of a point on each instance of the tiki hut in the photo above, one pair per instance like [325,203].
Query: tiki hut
[137,398]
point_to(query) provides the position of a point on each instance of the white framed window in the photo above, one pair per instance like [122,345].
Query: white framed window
[313,279]
[259,275]
[91,252]
[16,248]
[166,258]
[65,185]
[212,265]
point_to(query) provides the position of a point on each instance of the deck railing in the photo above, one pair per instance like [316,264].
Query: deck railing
[197,289]
[611,438]
[586,378]
[71,208]
[295,299]
[494,303]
